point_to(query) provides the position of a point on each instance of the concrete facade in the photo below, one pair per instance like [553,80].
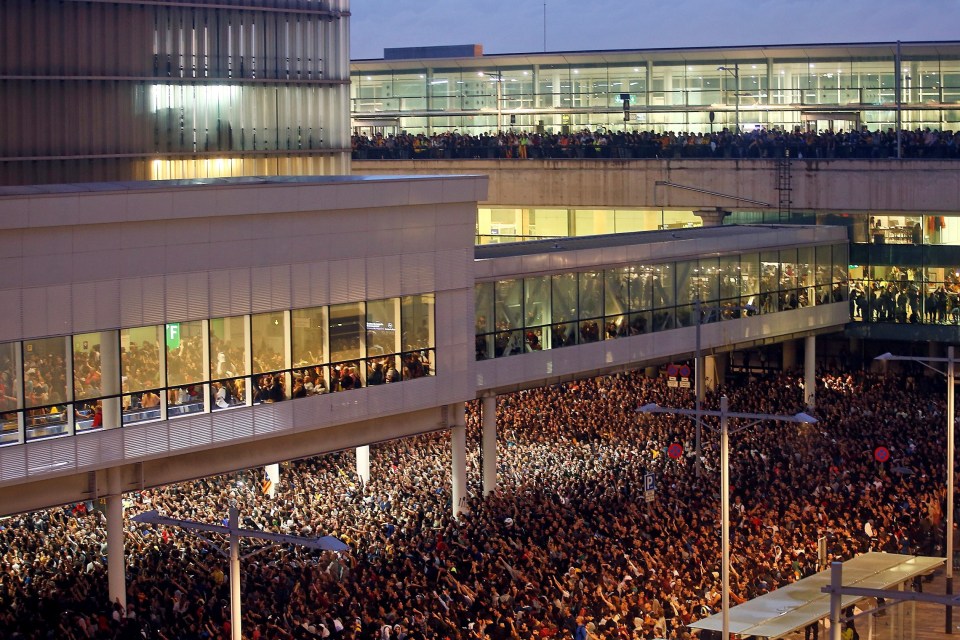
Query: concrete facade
[822,185]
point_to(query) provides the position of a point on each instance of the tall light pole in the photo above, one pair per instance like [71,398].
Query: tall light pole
[234,533]
[735,71]
[698,374]
[498,77]
[951,419]
[724,414]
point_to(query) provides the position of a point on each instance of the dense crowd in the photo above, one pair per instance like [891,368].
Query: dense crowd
[566,548]
[757,143]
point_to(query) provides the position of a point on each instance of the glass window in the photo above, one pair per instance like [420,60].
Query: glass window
[591,294]
[308,335]
[536,301]
[9,379]
[184,341]
[383,327]
[269,341]
[228,347]
[509,304]
[769,281]
[729,278]
[346,333]
[228,362]
[483,306]
[564,297]
[140,351]
[45,372]
[687,282]
[87,369]
[788,280]
[708,276]
[663,286]
[805,284]
[641,288]
[616,291]
[418,322]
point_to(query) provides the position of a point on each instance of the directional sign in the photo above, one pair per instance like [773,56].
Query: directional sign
[675,450]
[881,454]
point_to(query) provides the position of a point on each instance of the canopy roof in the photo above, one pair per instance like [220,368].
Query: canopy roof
[796,605]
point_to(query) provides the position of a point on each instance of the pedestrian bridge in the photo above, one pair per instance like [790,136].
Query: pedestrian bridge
[542,312]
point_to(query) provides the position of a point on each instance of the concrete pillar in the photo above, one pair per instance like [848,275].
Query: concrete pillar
[789,359]
[715,370]
[116,569]
[458,445]
[489,443]
[810,371]
[363,463]
[110,378]
[711,217]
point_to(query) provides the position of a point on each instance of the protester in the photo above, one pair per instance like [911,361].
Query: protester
[566,548]
[604,143]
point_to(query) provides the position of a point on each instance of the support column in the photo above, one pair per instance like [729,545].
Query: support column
[489,443]
[715,370]
[789,358]
[458,445]
[363,463]
[116,569]
[810,371]
[110,378]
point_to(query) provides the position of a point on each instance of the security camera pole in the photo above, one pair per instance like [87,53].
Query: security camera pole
[724,414]
[234,533]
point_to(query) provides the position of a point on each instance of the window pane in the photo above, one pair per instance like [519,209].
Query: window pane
[687,283]
[418,364]
[184,341]
[346,332]
[309,336]
[45,371]
[483,306]
[140,350]
[730,278]
[268,341]
[418,323]
[9,392]
[591,294]
[383,322]
[346,376]
[616,286]
[509,304]
[9,380]
[228,349]
[708,277]
[536,301]
[564,295]
[663,290]
[641,288]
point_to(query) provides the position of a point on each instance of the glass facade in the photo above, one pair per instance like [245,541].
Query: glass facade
[814,87]
[550,312]
[60,385]
[905,268]
[502,224]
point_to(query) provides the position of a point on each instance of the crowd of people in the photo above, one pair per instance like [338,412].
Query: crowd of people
[567,547]
[586,143]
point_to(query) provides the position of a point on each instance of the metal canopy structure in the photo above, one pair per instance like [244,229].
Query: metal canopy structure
[775,614]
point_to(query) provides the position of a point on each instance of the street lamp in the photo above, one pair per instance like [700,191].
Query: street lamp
[234,532]
[735,71]
[951,380]
[498,76]
[698,372]
[724,414]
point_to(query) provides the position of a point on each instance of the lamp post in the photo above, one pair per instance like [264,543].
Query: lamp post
[724,414]
[498,77]
[698,373]
[735,71]
[951,419]
[234,533]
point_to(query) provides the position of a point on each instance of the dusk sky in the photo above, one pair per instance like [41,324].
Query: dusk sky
[514,26]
